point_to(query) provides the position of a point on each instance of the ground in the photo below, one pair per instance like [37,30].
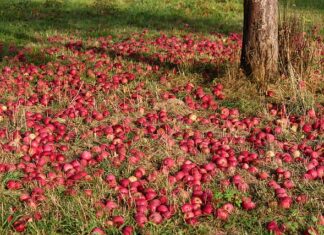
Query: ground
[133,117]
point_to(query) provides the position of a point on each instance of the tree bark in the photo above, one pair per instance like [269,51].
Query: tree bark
[259,57]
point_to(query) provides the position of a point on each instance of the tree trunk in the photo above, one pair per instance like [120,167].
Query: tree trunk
[259,57]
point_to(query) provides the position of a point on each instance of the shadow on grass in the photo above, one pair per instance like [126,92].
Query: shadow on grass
[22,21]
[208,70]
[19,20]
[31,56]
[10,48]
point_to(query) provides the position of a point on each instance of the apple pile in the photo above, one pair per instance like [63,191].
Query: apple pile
[93,115]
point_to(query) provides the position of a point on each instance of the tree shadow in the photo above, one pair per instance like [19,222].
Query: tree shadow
[86,21]
[20,24]
[208,70]
[36,57]
[11,48]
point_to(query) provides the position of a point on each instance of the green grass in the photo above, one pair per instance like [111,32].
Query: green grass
[310,11]
[26,21]
[29,21]
[317,5]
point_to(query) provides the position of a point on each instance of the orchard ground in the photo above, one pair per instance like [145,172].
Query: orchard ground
[133,117]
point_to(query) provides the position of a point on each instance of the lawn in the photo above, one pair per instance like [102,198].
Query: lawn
[132,117]
[28,20]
